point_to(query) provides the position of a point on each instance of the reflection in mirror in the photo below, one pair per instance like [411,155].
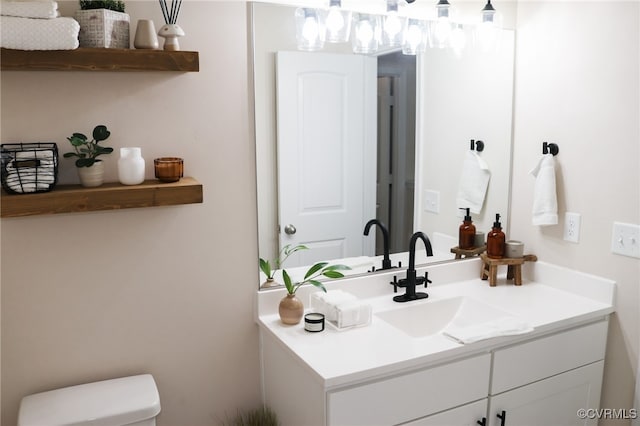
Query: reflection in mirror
[413,124]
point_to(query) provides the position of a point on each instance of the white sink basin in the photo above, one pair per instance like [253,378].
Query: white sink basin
[426,318]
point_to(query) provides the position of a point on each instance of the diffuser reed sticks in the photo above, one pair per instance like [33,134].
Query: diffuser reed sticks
[170,14]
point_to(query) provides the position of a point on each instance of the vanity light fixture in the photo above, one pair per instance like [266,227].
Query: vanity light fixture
[338,23]
[310,31]
[392,25]
[366,33]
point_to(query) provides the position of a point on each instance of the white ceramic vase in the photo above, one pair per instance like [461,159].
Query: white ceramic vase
[131,166]
[146,37]
[93,175]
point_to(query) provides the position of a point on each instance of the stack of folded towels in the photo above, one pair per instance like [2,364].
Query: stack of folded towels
[36,25]
[38,176]
[341,309]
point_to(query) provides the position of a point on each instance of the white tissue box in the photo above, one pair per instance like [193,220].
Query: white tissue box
[341,309]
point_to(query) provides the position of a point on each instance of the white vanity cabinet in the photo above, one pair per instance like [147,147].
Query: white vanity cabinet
[541,381]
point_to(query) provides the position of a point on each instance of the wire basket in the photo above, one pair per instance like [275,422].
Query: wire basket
[29,167]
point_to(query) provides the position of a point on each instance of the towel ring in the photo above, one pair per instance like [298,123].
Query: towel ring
[477,145]
[550,148]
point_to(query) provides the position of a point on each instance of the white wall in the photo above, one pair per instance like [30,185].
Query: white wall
[577,84]
[167,290]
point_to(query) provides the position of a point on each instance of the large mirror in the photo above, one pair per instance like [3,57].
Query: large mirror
[425,111]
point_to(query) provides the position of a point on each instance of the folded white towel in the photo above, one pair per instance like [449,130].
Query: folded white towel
[30,9]
[504,326]
[473,182]
[30,154]
[545,203]
[39,34]
[30,174]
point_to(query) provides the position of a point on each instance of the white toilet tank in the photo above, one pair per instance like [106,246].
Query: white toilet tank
[127,401]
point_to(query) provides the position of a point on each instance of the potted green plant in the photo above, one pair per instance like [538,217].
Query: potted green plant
[103,23]
[269,270]
[291,308]
[86,152]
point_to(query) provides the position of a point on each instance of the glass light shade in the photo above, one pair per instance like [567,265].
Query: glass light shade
[441,29]
[366,33]
[488,32]
[415,37]
[392,25]
[310,29]
[338,23]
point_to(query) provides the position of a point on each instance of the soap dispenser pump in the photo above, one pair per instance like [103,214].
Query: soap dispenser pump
[496,240]
[467,233]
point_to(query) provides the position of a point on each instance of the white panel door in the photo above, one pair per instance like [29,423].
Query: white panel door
[326,118]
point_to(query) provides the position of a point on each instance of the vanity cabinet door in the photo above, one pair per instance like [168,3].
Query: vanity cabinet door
[553,401]
[467,415]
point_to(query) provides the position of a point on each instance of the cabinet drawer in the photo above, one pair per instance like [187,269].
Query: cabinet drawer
[411,396]
[544,357]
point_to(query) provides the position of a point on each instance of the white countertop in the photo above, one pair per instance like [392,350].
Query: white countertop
[551,298]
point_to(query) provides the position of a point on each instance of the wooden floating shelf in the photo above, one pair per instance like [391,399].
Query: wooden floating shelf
[110,196]
[93,59]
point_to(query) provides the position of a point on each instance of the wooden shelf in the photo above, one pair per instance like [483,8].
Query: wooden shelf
[91,59]
[110,196]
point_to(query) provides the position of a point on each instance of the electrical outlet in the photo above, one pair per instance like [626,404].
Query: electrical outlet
[432,201]
[572,227]
[625,239]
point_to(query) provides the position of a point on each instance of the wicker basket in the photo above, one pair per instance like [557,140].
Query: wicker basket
[29,167]
[103,28]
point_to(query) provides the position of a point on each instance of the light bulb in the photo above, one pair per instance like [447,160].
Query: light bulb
[392,29]
[367,33]
[414,37]
[335,21]
[364,32]
[309,29]
[458,40]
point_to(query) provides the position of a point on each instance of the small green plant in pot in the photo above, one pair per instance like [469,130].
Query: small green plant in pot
[270,268]
[86,152]
[291,308]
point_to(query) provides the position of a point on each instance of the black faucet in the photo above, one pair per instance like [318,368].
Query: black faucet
[411,281]
[386,262]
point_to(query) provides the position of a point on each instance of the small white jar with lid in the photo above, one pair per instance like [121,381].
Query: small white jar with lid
[131,166]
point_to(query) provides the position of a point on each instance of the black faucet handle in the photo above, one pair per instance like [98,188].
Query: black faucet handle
[423,280]
[394,283]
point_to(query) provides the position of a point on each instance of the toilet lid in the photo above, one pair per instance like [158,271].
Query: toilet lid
[106,403]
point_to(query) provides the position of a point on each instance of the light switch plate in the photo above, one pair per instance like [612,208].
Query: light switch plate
[432,201]
[572,227]
[625,239]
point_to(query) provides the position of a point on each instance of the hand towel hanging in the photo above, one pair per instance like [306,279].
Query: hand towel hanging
[474,181]
[545,203]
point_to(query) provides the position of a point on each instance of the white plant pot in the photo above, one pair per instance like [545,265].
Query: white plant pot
[92,176]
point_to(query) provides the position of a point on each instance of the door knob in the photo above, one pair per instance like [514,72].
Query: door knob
[289,229]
